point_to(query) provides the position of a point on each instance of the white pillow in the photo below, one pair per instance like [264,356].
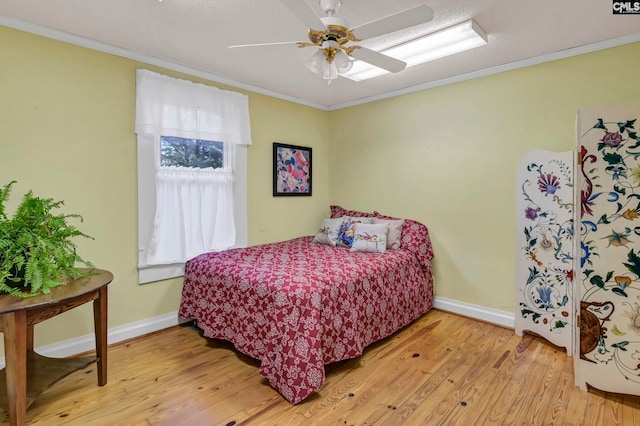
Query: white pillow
[328,233]
[370,238]
[395,232]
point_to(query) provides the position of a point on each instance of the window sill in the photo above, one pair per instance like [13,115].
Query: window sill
[148,274]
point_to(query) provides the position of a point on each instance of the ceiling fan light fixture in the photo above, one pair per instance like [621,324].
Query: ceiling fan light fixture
[342,61]
[330,44]
[316,62]
[442,43]
[329,61]
[448,41]
[329,71]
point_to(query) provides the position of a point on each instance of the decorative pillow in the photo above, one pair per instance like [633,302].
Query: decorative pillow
[328,233]
[395,231]
[337,211]
[347,229]
[370,238]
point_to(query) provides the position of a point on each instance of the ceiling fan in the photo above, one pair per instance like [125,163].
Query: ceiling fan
[335,53]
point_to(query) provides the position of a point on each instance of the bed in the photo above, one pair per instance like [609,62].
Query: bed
[297,305]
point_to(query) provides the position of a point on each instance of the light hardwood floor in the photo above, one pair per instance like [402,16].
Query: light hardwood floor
[443,369]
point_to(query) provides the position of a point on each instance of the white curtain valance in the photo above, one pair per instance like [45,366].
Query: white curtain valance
[167,106]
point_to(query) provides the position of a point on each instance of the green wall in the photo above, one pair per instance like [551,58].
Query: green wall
[447,157]
[67,132]
[444,156]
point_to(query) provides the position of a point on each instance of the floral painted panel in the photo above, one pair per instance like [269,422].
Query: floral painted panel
[608,257]
[544,266]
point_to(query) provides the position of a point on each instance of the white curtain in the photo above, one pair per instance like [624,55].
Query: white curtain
[194,207]
[171,107]
[194,214]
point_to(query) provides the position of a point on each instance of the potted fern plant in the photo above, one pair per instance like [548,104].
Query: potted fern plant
[36,251]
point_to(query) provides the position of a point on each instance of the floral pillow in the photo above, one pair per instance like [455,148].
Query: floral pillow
[348,227]
[328,232]
[370,238]
[395,231]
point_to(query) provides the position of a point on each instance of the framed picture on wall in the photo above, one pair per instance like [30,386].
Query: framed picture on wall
[291,170]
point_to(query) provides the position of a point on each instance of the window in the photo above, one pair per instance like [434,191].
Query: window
[193,153]
[192,144]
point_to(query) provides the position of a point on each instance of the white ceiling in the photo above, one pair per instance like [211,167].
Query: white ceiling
[196,33]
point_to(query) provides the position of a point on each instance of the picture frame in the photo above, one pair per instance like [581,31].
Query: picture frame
[291,170]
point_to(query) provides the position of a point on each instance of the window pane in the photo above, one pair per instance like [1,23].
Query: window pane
[193,153]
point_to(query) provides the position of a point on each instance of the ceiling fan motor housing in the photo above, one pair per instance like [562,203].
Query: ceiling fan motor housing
[335,21]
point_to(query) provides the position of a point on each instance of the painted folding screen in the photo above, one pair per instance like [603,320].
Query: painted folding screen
[544,262]
[608,260]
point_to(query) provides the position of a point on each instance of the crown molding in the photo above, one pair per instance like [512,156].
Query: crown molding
[28,27]
[18,24]
[567,53]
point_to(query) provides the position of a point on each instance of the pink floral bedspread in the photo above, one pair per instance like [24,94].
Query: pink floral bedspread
[297,305]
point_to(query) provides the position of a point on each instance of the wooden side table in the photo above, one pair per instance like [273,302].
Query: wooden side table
[28,374]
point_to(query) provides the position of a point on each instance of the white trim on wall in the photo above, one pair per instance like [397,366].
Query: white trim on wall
[87,342]
[102,47]
[567,53]
[29,27]
[494,316]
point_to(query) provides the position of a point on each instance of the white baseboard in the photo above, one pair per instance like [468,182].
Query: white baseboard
[114,335]
[136,329]
[494,316]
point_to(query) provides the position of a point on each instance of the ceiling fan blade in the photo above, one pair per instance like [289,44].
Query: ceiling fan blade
[302,11]
[410,17]
[378,59]
[263,44]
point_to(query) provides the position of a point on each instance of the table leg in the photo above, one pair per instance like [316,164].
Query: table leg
[14,328]
[100,330]
[29,338]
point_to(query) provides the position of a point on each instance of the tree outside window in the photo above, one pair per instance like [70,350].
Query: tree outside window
[193,153]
